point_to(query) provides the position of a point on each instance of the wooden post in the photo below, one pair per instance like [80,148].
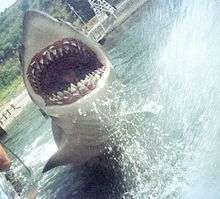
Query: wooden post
[8,111]
[4,116]
[2,132]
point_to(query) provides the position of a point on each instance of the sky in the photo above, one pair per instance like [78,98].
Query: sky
[5,4]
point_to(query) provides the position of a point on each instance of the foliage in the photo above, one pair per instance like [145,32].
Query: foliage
[9,71]
[15,87]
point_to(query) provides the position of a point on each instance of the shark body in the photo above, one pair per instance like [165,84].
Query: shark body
[70,78]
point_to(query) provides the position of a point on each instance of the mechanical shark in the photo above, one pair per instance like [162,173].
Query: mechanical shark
[70,78]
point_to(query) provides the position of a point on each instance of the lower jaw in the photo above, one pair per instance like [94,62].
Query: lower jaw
[66,101]
[75,92]
[84,102]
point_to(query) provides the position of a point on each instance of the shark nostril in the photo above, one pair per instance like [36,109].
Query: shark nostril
[64,71]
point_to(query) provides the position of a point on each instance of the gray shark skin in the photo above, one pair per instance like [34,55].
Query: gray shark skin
[70,78]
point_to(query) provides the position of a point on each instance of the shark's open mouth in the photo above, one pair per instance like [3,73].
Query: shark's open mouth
[64,72]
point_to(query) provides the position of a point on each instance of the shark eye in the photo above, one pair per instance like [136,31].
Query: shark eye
[64,72]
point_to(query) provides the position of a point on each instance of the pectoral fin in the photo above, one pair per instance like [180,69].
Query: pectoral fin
[69,154]
[58,159]
[53,162]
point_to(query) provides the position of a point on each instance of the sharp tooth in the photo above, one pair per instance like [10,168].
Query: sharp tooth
[82,88]
[66,48]
[60,94]
[86,81]
[59,98]
[97,76]
[54,52]
[85,90]
[53,99]
[73,87]
[79,84]
[60,51]
[48,56]
[74,50]
[102,70]
[59,102]
[87,77]
[98,72]
[69,89]
[33,63]
[56,96]
[32,71]
[90,76]
[73,90]
[42,61]
[82,81]
[66,42]
[73,44]
[94,80]
[37,66]
[41,66]
[66,93]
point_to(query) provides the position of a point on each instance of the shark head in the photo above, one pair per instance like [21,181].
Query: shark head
[62,68]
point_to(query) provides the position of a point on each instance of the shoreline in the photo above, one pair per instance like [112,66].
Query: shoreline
[13,108]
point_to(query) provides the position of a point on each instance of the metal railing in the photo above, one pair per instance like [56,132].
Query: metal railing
[8,113]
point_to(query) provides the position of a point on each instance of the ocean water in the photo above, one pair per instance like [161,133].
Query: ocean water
[166,54]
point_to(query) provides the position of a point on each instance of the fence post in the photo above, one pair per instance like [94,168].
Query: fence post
[2,132]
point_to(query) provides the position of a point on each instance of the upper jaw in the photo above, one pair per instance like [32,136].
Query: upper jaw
[40,32]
